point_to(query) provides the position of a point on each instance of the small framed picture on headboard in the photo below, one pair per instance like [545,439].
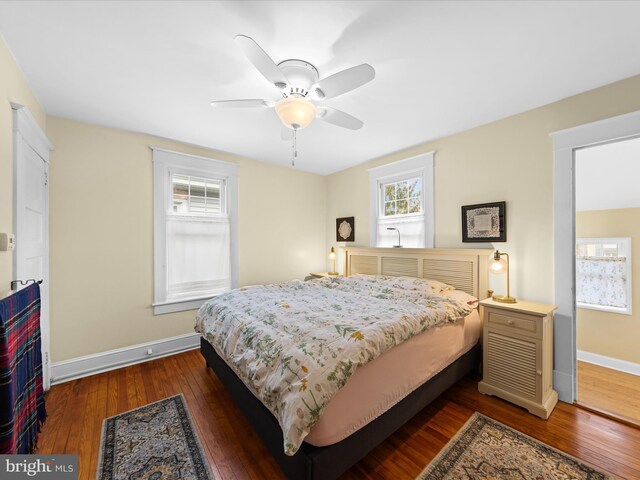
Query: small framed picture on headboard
[485,222]
[345,229]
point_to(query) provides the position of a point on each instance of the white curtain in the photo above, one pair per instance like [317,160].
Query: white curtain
[602,281]
[198,257]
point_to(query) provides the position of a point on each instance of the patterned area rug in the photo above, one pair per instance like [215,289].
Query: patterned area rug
[154,442]
[486,449]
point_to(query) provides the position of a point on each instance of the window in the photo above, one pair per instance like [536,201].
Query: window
[603,274]
[197,196]
[195,225]
[401,196]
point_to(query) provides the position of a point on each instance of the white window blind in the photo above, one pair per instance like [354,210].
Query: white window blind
[195,225]
[197,195]
[603,274]
[198,256]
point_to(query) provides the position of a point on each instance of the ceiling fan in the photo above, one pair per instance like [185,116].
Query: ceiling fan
[301,90]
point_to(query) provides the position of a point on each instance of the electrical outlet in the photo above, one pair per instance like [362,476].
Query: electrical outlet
[7,242]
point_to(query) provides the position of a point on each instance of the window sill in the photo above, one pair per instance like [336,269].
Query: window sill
[601,308]
[179,305]
[403,216]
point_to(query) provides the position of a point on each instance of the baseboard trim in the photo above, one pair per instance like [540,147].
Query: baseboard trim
[122,357]
[609,362]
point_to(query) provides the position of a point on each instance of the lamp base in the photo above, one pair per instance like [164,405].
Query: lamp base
[504,299]
[397,246]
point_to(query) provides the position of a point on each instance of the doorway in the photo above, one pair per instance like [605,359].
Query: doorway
[565,144]
[607,226]
[31,216]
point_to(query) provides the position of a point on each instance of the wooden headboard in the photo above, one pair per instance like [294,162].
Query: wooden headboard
[465,269]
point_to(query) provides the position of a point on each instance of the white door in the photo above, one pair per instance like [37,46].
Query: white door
[31,216]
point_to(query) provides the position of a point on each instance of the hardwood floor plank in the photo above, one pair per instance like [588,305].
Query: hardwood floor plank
[234,451]
[55,412]
[113,389]
[91,427]
[78,392]
[147,382]
[81,414]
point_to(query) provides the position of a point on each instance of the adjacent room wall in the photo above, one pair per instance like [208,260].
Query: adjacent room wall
[13,88]
[102,237]
[508,160]
[604,333]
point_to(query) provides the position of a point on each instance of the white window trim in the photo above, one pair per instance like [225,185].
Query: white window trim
[420,165]
[626,241]
[163,162]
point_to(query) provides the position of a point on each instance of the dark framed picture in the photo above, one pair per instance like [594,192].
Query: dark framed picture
[485,222]
[345,229]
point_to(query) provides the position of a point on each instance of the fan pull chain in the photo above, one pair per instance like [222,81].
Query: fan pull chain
[294,148]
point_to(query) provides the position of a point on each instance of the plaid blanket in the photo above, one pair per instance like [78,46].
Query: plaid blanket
[22,409]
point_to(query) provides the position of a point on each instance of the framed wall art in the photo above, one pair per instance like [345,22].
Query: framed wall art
[345,229]
[485,222]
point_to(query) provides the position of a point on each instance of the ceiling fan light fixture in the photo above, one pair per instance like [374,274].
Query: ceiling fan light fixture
[295,112]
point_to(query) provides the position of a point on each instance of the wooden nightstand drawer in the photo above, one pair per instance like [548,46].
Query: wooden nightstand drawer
[524,324]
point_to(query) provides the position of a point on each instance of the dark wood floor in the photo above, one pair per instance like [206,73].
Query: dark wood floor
[76,410]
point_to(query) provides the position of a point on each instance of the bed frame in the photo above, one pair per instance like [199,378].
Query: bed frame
[465,269]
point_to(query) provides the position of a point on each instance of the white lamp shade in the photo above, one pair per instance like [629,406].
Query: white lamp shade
[295,112]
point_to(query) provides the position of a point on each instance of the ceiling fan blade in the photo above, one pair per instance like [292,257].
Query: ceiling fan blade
[286,133]
[344,81]
[339,118]
[250,103]
[263,62]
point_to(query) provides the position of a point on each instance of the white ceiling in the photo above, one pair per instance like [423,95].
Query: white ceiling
[441,67]
[607,176]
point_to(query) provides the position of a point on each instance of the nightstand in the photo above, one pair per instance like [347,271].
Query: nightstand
[322,274]
[517,354]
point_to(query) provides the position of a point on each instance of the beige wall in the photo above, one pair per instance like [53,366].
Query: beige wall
[612,334]
[13,88]
[509,160]
[102,237]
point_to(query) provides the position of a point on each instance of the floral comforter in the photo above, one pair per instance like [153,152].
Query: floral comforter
[295,344]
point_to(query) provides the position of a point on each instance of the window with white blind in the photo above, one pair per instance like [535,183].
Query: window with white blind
[195,227]
[401,196]
[603,274]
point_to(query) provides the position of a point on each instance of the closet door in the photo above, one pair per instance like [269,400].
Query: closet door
[31,216]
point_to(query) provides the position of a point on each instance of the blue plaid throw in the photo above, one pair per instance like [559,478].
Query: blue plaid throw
[22,409]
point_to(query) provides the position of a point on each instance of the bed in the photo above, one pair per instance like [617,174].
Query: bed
[348,430]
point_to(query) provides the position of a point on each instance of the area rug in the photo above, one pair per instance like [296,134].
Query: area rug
[486,449]
[154,442]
